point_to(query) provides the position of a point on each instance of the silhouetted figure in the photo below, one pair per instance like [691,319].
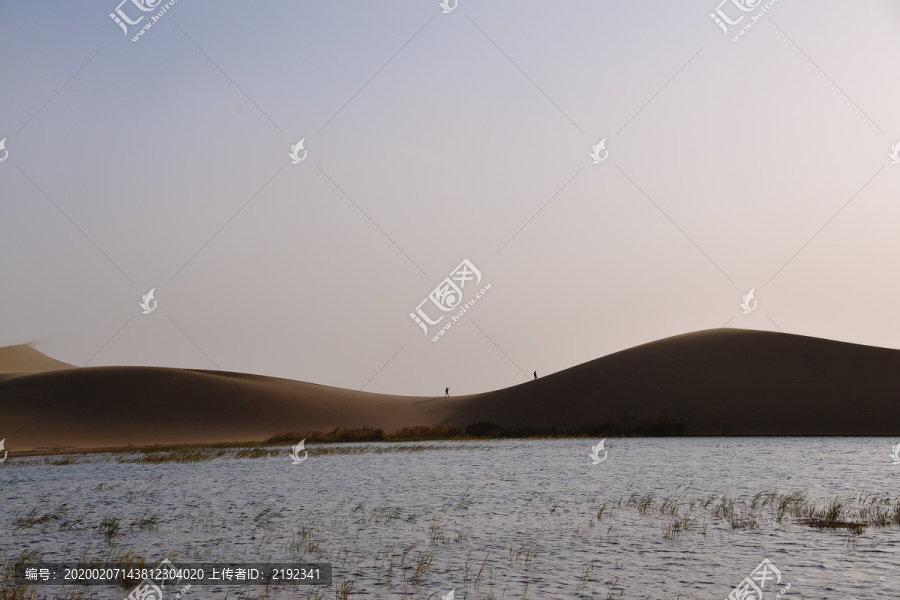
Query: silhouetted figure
[535,374]
[446,392]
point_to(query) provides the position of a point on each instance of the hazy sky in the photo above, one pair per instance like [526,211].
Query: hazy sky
[432,138]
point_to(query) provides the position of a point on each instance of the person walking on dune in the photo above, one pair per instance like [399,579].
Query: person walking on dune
[535,374]
[446,392]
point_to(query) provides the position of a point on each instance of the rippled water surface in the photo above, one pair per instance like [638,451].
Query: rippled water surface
[507,519]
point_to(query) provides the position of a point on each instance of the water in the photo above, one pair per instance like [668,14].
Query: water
[483,518]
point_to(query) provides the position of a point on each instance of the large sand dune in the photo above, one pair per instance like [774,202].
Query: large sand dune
[731,382]
[716,382]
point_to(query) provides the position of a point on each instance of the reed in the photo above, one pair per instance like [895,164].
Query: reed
[109,527]
[146,522]
[675,527]
[33,518]
[423,563]
[437,532]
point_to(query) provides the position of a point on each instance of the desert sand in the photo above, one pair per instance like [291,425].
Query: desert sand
[716,382]
[26,358]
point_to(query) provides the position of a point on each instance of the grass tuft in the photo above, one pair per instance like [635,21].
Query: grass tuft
[109,527]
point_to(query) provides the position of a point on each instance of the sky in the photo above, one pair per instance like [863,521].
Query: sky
[431,138]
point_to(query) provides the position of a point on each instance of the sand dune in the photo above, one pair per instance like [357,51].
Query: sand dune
[118,406]
[717,382]
[24,358]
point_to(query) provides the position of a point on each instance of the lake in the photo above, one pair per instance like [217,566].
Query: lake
[660,518]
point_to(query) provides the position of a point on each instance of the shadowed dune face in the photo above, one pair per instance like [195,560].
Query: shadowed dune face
[118,406]
[719,382]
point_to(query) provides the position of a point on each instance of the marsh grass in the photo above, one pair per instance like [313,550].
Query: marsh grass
[266,517]
[256,453]
[474,431]
[481,570]
[33,518]
[834,516]
[176,455]
[146,522]
[200,454]
[423,563]
[464,502]
[109,527]
[75,524]
[748,512]
[791,505]
[643,503]
[741,521]
[343,589]
[527,552]
[675,527]
[381,514]
[878,512]
[669,506]
[586,573]
[437,532]
[336,435]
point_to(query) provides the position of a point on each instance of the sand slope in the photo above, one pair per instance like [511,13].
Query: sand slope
[118,406]
[24,358]
[729,381]
[716,382]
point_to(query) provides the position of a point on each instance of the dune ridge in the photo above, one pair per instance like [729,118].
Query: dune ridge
[715,382]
